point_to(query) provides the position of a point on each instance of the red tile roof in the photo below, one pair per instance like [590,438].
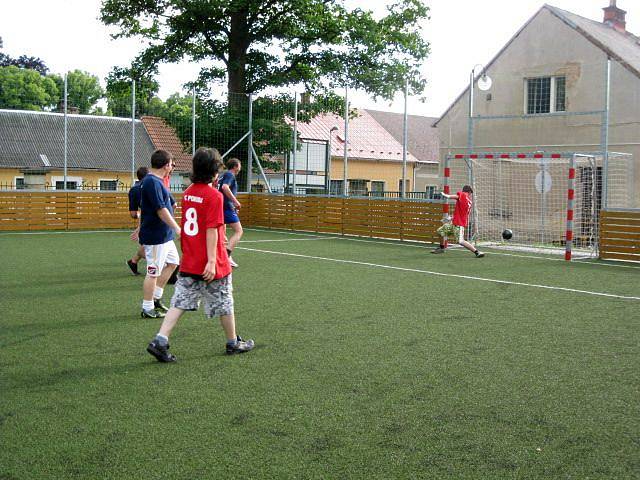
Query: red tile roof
[163,136]
[367,138]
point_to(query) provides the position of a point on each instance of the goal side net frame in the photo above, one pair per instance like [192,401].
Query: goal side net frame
[551,201]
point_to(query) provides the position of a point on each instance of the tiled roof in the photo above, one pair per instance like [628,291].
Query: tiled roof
[368,139]
[422,137]
[36,140]
[622,46]
[164,137]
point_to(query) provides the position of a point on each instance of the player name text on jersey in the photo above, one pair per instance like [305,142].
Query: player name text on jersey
[193,198]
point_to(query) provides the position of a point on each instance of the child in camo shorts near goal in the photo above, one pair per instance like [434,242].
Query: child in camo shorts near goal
[205,272]
[455,228]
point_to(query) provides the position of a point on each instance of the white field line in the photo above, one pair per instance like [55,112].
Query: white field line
[441,274]
[288,240]
[456,248]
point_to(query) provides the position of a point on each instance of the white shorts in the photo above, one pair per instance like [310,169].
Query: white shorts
[158,256]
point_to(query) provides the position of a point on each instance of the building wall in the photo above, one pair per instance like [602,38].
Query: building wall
[89,177]
[371,170]
[549,47]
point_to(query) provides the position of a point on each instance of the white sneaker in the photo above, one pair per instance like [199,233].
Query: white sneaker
[232,263]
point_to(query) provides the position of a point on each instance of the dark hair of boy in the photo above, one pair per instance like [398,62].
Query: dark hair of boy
[142,172]
[467,189]
[206,163]
[232,163]
[160,158]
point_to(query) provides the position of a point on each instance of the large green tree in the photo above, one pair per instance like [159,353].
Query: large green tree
[119,90]
[27,90]
[83,90]
[256,44]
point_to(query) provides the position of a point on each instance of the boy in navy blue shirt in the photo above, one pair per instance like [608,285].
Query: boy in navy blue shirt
[229,187]
[157,231]
[134,206]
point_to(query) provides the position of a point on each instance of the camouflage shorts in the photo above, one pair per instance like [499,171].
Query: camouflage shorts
[217,295]
[449,230]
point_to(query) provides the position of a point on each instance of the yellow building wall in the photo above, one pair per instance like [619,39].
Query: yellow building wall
[388,172]
[8,176]
[87,177]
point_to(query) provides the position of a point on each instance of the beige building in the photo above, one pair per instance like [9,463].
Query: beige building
[374,151]
[549,89]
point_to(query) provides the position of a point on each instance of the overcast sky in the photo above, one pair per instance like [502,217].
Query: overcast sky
[67,35]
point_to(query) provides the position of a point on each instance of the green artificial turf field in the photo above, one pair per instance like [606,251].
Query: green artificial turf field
[368,364]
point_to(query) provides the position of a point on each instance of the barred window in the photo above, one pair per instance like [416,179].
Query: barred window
[110,185]
[545,95]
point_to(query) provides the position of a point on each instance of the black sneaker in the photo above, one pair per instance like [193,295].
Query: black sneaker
[438,250]
[151,314]
[479,254]
[133,267]
[240,346]
[159,306]
[160,352]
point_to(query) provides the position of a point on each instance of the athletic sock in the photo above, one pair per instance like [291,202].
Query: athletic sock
[157,293]
[147,305]
[162,340]
[232,342]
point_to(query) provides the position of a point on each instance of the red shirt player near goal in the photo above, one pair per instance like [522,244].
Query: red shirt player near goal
[455,229]
[205,272]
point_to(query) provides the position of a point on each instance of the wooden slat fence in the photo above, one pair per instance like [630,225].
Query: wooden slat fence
[395,219]
[620,235]
[78,210]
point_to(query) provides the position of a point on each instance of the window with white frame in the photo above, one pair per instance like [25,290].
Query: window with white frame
[109,185]
[545,95]
[335,187]
[431,191]
[357,187]
[377,188]
[73,183]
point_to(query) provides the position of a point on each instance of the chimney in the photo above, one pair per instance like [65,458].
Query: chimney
[614,17]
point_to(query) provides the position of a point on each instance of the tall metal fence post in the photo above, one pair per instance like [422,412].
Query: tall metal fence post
[295,142]
[133,131]
[250,146]
[605,136]
[345,190]
[193,123]
[403,190]
[66,136]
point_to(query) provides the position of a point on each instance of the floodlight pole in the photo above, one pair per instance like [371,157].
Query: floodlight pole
[250,146]
[403,190]
[345,189]
[295,142]
[133,130]
[605,136]
[66,138]
[193,124]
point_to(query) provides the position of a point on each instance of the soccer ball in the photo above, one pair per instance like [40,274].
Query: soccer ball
[507,234]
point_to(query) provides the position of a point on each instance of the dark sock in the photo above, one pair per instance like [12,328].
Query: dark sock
[162,341]
[228,252]
[442,246]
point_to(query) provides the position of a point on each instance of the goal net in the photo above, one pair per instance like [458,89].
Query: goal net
[551,202]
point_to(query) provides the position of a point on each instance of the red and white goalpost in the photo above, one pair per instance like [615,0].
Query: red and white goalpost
[550,201]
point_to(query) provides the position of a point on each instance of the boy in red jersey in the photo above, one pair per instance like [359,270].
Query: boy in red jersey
[460,220]
[205,272]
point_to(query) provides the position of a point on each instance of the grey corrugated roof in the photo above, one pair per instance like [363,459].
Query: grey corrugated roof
[96,143]
[422,141]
